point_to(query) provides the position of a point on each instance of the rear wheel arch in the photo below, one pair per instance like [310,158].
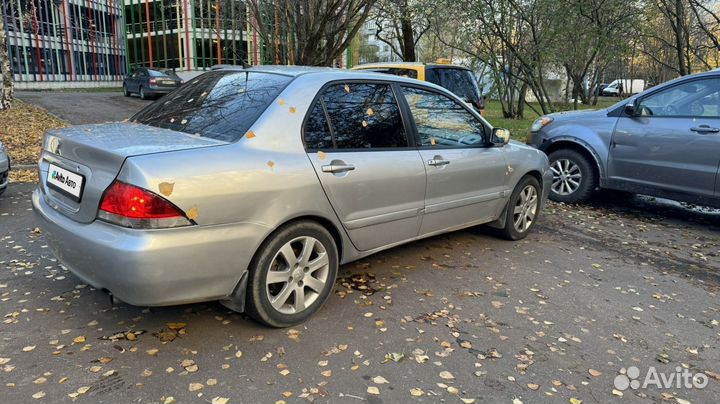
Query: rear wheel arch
[326,223]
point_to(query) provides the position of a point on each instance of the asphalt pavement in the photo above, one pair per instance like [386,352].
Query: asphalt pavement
[82,107]
[463,317]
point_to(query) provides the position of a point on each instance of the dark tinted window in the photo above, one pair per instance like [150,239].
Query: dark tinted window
[220,105]
[460,81]
[317,132]
[441,121]
[362,116]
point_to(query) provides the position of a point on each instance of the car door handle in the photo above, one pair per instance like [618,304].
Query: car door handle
[337,168]
[438,162]
[705,129]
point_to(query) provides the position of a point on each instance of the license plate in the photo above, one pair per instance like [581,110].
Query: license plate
[66,182]
[168,83]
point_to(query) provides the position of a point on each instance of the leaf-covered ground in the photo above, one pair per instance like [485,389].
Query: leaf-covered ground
[463,317]
[21,130]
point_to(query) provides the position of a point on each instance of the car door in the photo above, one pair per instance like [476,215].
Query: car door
[374,178]
[672,144]
[134,81]
[466,177]
[142,79]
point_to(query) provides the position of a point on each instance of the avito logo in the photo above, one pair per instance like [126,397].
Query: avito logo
[681,378]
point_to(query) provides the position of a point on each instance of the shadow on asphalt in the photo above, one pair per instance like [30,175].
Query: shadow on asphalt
[657,208]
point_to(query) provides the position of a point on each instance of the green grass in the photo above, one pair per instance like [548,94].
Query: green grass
[520,128]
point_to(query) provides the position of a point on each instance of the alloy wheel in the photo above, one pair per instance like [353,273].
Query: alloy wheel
[566,176]
[525,209]
[297,275]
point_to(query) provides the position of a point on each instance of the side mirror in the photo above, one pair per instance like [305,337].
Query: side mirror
[630,109]
[500,137]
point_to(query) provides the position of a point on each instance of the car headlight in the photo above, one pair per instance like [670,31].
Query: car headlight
[540,123]
[2,148]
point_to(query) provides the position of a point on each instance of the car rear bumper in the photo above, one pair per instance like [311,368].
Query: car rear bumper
[159,90]
[151,267]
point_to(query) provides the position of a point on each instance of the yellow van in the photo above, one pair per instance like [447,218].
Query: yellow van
[458,79]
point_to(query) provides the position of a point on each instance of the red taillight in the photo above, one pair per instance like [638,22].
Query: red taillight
[153,82]
[130,206]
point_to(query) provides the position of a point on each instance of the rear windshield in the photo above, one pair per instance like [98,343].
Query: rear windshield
[162,73]
[220,105]
[460,81]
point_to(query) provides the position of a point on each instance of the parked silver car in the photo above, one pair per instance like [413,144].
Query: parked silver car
[252,186]
[4,168]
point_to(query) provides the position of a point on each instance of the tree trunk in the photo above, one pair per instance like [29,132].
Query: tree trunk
[6,91]
[680,40]
[520,111]
[408,40]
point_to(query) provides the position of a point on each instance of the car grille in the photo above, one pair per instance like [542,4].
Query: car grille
[3,177]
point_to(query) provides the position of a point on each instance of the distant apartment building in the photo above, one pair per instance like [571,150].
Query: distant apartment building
[61,43]
[381,51]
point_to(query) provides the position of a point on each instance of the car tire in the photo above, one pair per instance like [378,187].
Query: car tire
[522,209]
[143,96]
[125,91]
[273,299]
[574,177]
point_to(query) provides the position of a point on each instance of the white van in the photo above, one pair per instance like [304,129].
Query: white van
[624,87]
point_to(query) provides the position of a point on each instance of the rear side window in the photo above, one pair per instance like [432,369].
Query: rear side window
[220,105]
[355,116]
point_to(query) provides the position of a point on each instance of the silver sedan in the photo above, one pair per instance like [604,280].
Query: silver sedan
[252,186]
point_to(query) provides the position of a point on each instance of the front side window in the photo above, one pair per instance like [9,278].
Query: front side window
[697,98]
[441,121]
[359,116]
[220,105]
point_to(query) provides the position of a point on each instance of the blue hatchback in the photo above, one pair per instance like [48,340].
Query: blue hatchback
[663,142]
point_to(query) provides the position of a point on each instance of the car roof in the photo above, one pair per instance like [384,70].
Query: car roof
[387,65]
[277,69]
[328,73]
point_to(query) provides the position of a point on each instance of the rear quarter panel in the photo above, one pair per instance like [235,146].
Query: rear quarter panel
[265,178]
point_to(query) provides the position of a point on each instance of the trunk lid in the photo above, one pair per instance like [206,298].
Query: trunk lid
[97,152]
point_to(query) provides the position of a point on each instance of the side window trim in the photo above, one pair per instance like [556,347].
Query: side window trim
[416,135]
[412,144]
[331,128]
